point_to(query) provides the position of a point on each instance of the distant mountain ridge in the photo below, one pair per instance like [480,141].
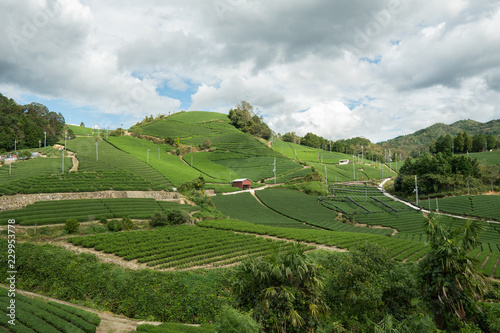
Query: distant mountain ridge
[423,137]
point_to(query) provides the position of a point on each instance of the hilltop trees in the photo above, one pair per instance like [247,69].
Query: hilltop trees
[245,119]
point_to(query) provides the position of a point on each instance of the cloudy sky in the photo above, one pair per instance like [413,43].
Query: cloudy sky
[337,68]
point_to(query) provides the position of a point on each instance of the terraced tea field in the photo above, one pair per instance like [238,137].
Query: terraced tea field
[53,212]
[33,315]
[110,158]
[483,206]
[236,155]
[245,207]
[180,247]
[305,208]
[488,157]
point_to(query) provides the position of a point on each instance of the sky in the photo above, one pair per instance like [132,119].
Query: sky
[339,69]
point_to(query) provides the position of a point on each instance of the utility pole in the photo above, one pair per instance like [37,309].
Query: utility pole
[353,169]
[437,205]
[63,159]
[96,151]
[362,155]
[326,180]
[274,170]
[416,189]
[39,143]
[15,146]
[44,139]
[147,157]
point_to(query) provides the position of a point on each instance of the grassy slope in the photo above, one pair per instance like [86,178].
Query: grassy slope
[237,155]
[111,158]
[320,158]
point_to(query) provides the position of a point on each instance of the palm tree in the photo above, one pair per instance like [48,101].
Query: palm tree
[453,282]
[283,290]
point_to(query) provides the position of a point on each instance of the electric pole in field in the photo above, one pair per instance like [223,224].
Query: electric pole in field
[353,169]
[147,157]
[274,170]
[326,180]
[416,189]
[62,168]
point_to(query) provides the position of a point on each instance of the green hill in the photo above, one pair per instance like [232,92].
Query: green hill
[422,138]
[232,154]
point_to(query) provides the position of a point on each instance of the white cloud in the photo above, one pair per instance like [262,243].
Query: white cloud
[386,60]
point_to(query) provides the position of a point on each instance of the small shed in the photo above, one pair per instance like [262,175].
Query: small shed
[243,183]
[341,162]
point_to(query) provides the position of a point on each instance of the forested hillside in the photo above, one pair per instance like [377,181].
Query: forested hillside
[26,124]
[424,137]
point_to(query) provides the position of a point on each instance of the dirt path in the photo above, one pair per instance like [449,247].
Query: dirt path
[76,163]
[109,322]
[111,258]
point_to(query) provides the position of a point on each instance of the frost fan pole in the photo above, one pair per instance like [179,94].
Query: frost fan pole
[416,189]
[274,170]
[326,180]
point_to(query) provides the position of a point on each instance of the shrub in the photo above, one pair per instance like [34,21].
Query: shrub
[233,321]
[103,220]
[127,223]
[96,229]
[207,143]
[178,216]
[158,220]
[71,226]
[114,225]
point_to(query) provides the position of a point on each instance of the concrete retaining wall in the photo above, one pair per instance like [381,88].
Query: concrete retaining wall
[22,200]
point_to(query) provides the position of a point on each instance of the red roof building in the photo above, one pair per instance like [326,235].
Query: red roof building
[243,183]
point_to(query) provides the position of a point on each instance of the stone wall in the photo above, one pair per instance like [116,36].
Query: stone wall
[22,200]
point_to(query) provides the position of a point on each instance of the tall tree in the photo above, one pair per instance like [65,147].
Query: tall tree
[458,143]
[283,290]
[452,281]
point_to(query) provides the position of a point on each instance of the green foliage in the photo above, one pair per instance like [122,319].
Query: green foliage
[114,225]
[179,247]
[47,317]
[26,124]
[177,216]
[158,220]
[244,118]
[424,137]
[305,208]
[245,207]
[161,296]
[71,226]
[207,143]
[233,321]
[52,212]
[452,281]
[175,328]
[365,285]
[283,290]
[127,223]
[111,158]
